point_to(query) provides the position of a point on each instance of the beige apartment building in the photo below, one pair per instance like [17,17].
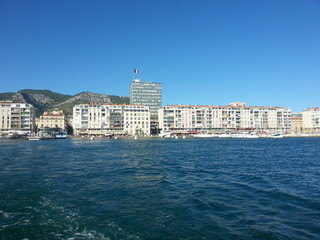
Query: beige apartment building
[236,116]
[16,117]
[311,120]
[296,122]
[111,118]
[54,119]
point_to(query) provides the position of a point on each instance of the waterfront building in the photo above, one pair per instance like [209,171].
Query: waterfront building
[54,119]
[147,94]
[311,119]
[296,122]
[16,117]
[111,118]
[236,116]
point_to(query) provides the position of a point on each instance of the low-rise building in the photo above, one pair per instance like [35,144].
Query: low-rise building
[311,119]
[111,118]
[236,116]
[16,117]
[54,119]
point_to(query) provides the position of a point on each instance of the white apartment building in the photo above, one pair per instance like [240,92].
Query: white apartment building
[311,120]
[111,118]
[16,117]
[236,116]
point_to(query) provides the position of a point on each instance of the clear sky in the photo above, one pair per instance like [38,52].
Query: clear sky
[207,52]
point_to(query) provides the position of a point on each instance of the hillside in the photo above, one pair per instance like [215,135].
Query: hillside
[46,100]
[88,97]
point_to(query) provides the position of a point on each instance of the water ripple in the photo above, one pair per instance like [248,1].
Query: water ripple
[160,189]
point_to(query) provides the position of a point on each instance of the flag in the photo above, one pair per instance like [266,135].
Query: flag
[136,71]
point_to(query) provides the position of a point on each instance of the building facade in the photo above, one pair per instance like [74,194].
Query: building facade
[296,123]
[111,118]
[16,117]
[236,116]
[147,94]
[311,119]
[54,119]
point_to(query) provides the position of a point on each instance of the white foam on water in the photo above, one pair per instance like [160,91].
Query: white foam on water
[4,214]
[68,222]
[90,235]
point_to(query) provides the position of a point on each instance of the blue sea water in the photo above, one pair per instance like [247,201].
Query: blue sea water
[160,189]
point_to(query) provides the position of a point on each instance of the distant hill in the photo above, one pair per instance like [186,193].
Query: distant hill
[88,97]
[46,100]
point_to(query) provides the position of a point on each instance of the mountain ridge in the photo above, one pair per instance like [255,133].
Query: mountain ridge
[47,100]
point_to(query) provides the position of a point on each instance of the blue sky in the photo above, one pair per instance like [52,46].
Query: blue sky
[262,52]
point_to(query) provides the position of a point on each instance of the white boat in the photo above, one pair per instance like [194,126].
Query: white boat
[224,135]
[237,135]
[11,135]
[276,136]
[34,138]
[108,135]
[264,135]
[61,135]
[165,134]
[205,135]
[251,136]
[244,135]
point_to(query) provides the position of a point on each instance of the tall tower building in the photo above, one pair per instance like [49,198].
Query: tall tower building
[147,94]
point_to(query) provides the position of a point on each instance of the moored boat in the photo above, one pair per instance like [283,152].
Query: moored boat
[165,134]
[276,135]
[34,138]
[224,135]
[10,135]
[61,135]
[204,135]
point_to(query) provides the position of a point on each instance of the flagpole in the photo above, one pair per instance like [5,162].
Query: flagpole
[136,73]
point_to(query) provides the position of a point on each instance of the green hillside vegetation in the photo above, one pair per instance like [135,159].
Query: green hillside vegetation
[120,100]
[6,96]
[67,108]
[57,97]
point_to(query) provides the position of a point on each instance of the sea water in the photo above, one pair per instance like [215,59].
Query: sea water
[155,188]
